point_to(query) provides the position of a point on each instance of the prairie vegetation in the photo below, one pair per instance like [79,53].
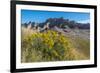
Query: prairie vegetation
[51,45]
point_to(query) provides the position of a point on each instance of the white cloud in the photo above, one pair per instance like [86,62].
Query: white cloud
[84,21]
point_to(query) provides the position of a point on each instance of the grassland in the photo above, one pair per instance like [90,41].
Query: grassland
[52,46]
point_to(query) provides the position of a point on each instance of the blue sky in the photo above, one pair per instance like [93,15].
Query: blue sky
[41,16]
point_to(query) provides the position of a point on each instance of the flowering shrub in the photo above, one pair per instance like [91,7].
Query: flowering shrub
[47,46]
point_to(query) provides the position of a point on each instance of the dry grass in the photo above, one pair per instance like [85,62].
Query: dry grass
[50,46]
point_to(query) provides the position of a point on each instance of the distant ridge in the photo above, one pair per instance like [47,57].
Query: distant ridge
[59,22]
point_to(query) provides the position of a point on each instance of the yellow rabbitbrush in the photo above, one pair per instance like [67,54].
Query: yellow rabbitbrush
[48,46]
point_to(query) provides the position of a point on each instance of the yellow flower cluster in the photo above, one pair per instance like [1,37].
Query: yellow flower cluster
[63,40]
[49,38]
